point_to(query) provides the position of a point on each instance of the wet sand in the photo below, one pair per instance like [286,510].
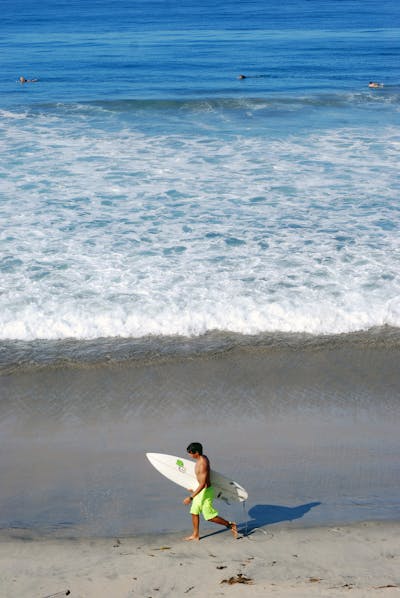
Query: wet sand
[312,434]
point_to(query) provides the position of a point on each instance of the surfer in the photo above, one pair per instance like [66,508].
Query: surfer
[374,84]
[252,76]
[201,498]
[22,80]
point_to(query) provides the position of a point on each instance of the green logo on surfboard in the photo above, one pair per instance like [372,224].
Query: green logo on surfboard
[180,464]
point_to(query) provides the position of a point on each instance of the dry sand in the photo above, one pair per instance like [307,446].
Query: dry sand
[354,560]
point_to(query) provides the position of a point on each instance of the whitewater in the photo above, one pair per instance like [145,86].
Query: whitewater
[127,233]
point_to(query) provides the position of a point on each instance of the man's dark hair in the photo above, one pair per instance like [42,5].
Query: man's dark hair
[195,447]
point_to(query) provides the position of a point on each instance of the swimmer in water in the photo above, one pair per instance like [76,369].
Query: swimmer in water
[22,80]
[251,76]
[374,84]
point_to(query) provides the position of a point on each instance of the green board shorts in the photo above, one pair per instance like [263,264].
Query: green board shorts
[203,503]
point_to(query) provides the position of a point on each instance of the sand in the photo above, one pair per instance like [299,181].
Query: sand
[355,560]
[312,435]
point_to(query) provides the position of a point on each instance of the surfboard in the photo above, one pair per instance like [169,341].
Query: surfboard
[181,471]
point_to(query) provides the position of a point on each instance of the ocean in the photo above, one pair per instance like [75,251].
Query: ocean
[187,191]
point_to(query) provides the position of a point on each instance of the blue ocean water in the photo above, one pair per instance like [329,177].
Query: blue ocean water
[146,189]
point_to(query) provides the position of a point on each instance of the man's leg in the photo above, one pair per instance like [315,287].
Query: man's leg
[229,524]
[196,526]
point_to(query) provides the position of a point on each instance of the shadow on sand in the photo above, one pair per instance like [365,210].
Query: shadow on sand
[263,515]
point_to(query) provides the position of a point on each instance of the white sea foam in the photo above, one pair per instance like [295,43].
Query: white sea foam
[108,231]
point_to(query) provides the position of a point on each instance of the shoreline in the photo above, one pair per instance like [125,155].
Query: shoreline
[23,356]
[284,561]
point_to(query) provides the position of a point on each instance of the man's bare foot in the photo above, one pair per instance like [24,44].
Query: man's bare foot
[195,538]
[233,528]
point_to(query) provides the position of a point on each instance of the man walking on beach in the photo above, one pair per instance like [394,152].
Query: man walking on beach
[201,498]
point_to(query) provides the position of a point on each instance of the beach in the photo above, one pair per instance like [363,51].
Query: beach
[309,427]
[356,560]
[191,255]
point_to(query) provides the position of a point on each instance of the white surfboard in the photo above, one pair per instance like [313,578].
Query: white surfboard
[181,471]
